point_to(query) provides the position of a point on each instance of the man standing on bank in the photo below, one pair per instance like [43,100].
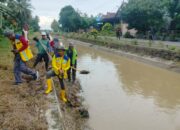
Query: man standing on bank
[43,48]
[72,54]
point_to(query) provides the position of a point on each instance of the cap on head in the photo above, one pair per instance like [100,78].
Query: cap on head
[56,40]
[61,47]
[8,33]
[43,33]
[71,44]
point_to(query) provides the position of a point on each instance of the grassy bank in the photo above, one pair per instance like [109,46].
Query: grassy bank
[143,48]
[5,52]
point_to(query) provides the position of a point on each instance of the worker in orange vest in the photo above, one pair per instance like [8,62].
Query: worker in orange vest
[22,54]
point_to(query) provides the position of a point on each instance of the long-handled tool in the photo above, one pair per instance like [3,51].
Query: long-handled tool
[45,48]
[81,71]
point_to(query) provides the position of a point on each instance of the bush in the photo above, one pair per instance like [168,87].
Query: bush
[94,33]
[118,27]
[172,48]
[172,37]
[135,42]
[150,43]
[128,35]
[161,45]
[87,35]
[178,51]
[107,28]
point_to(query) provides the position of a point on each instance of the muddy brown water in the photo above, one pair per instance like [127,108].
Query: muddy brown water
[123,94]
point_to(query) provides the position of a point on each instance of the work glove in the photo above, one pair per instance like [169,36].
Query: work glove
[61,71]
[15,51]
[36,39]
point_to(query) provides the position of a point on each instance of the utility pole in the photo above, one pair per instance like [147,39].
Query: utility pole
[1,19]
[121,18]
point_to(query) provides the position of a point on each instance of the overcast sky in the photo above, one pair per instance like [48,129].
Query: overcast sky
[48,10]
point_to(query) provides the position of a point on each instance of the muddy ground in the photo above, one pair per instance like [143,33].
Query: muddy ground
[26,107]
[75,113]
[22,107]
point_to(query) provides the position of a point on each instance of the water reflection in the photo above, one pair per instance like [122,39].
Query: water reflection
[142,79]
[128,95]
[162,85]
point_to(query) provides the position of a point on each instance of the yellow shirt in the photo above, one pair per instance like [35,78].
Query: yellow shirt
[60,63]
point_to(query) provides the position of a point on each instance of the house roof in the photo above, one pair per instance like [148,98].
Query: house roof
[109,15]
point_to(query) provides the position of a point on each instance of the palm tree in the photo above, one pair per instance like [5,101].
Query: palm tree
[5,11]
[22,8]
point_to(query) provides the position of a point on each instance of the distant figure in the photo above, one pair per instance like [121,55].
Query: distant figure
[118,33]
[151,34]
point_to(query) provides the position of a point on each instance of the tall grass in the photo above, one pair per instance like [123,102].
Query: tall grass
[6,57]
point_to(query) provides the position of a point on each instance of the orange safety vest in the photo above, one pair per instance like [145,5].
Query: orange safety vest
[26,54]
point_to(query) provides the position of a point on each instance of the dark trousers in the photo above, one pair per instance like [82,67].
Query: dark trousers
[72,72]
[61,81]
[20,66]
[41,57]
[51,73]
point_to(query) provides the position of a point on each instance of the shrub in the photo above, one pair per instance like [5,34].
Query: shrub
[150,43]
[107,28]
[87,35]
[172,37]
[178,51]
[172,48]
[135,42]
[161,45]
[128,35]
[94,33]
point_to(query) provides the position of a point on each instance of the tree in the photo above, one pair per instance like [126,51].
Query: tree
[55,26]
[72,20]
[69,19]
[34,23]
[87,21]
[7,16]
[174,13]
[22,9]
[143,14]
[17,13]
[107,27]
[3,1]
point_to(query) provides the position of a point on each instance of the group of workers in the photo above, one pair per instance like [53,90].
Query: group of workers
[63,60]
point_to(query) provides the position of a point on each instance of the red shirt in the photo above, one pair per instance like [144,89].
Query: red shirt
[23,41]
[52,44]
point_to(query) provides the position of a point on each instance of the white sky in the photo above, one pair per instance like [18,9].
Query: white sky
[48,10]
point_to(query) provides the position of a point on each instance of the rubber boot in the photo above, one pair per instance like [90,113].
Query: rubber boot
[49,86]
[63,96]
